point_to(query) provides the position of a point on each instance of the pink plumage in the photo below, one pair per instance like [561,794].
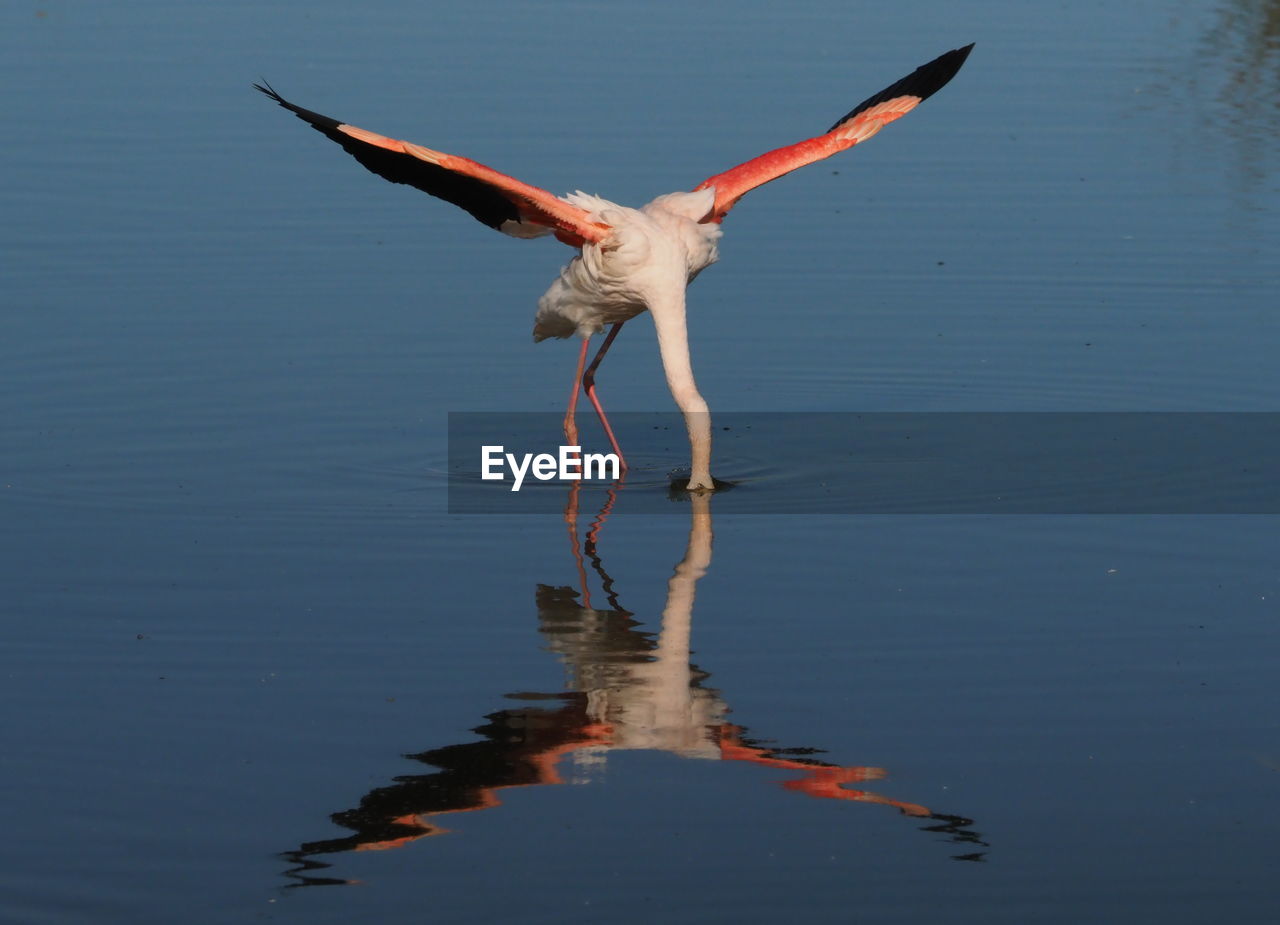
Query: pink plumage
[630,260]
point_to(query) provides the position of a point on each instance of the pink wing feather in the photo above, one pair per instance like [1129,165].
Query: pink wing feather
[492,197]
[863,121]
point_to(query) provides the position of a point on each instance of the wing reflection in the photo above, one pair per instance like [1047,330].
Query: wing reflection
[627,688]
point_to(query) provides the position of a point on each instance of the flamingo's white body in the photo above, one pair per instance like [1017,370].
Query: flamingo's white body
[645,264]
[649,249]
[631,260]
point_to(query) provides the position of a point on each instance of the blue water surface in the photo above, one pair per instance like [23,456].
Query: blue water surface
[254,671]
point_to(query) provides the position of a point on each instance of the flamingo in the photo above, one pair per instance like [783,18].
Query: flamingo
[629,260]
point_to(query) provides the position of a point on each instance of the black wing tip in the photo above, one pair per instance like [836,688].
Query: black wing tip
[266,88]
[923,82]
[938,73]
[317,121]
[474,196]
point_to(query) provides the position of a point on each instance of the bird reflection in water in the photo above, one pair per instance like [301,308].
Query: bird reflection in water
[626,689]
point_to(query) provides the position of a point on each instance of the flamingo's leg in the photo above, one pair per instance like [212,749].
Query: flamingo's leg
[589,385]
[570,425]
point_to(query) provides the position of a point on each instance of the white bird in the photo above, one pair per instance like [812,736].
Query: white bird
[630,260]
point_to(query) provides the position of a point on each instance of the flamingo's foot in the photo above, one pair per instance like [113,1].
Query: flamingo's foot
[701,486]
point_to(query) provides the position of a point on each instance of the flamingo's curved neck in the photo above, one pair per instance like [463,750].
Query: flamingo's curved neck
[673,343]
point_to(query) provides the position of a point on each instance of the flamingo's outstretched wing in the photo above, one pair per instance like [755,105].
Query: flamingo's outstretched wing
[497,200]
[867,118]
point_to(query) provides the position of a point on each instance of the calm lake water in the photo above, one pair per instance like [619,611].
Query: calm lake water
[254,670]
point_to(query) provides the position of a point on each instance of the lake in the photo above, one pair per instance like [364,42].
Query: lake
[265,663]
